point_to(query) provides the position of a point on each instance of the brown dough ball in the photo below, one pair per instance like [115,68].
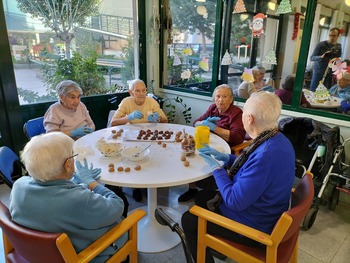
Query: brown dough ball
[120,169]
[127,169]
[186,163]
[138,167]
[111,169]
[183,158]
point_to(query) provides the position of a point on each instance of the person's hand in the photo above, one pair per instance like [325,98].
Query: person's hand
[95,171]
[217,155]
[86,175]
[345,105]
[211,122]
[153,117]
[76,178]
[210,161]
[81,131]
[135,115]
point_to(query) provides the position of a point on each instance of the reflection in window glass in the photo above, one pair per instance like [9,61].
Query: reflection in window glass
[190,44]
[95,49]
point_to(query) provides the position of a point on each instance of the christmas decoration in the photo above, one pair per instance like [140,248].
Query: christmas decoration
[187,51]
[284,7]
[257,26]
[270,58]
[338,67]
[204,64]
[296,25]
[245,47]
[239,7]
[177,60]
[248,75]
[226,59]
[186,74]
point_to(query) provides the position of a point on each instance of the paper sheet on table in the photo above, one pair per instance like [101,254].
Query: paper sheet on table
[83,152]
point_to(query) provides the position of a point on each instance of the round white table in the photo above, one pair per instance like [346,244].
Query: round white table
[161,168]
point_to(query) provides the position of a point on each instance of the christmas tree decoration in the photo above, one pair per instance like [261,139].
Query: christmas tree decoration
[284,7]
[186,74]
[257,26]
[239,7]
[204,64]
[177,60]
[248,75]
[270,58]
[187,51]
[226,59]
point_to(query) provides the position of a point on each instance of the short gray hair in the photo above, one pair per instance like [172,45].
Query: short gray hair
[224,86]
[44,155]
[67,86]
[265,107]
[133,83]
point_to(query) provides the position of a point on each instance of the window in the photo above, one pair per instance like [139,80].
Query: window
[97,50]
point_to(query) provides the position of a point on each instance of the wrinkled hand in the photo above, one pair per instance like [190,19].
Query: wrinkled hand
[217,155]
[81,131]
[211,122]
[153,117]
[345,105]
[210,161]
[87,175]
[135,115]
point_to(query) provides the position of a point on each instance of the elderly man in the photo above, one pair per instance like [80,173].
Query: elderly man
[48,200]
[138,109]
[342,91]
[322,54]
[223,119]
[256,190]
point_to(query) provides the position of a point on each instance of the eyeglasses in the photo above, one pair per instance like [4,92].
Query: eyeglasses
[74,155]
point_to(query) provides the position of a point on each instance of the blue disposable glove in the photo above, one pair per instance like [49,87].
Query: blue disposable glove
[345,105]
[81,131]
[86,175]
[214,164]
[135,115]
[95,172]
[225,157]
[76,178]
[211,122]
[153,117]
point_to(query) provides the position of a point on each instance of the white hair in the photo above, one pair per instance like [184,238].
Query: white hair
[223,86]
[266,109]
[44,155]
[133,83]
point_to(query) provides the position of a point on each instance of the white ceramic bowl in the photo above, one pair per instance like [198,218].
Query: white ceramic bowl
[110,149]
[129,152]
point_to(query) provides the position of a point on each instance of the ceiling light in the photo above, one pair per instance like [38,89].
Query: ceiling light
[322,21]
[272,6]
[202,1]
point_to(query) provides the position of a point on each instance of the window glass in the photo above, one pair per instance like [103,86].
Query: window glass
[95,47]
[190,44]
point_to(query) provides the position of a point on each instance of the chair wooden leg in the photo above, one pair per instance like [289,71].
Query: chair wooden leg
[294,257]
[201,247]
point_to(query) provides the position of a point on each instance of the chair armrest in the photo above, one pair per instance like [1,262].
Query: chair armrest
[238,148]
[105,240]
[232,225]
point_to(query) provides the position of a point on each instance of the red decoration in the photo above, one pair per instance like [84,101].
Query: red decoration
[296,25]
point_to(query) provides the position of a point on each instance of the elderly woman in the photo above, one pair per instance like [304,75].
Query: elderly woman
[48,200]
[256,190]
[69,115]
[245,89]
[138,108]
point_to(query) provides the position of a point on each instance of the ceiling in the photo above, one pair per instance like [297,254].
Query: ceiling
[336,4]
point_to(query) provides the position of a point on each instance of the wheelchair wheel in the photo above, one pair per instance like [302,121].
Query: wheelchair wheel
[310,218]
[334,199]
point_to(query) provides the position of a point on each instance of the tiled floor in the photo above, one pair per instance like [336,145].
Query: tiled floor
[328,241]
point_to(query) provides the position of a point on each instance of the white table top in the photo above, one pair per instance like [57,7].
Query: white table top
[162,167]
[332,103]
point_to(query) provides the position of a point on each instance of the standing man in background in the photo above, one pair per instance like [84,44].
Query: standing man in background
[323,53]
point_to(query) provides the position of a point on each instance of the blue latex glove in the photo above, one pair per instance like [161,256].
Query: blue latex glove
[95,172]
[345,105]
[76,179]
[210,161]
[86,175]
[81,131]
[135,115]
[211,122]
[153,117]
[225,157]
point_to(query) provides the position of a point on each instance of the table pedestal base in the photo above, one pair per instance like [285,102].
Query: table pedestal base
[154,237]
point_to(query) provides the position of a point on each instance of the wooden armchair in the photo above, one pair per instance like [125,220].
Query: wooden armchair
[24,245]
[280,246]
[237,149]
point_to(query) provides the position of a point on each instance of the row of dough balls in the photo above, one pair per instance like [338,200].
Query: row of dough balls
[111,168]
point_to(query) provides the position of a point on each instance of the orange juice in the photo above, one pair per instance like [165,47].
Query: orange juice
[201,135]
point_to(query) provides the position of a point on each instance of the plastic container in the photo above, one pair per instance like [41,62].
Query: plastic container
[201,135]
